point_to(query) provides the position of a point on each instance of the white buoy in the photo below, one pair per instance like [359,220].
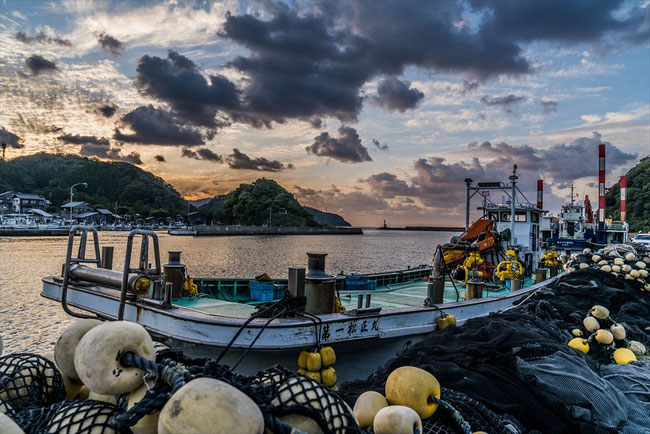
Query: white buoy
[103,398]
[97,358]
[8,426]
[397,419]
[67,344]
[147,424]
[209,406]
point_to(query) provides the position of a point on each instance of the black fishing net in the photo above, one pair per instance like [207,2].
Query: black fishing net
[72,417]
[28,381]
[517,363]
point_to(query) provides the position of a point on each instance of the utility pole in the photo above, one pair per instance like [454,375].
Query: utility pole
[72,194]
[513,178]
[4,147]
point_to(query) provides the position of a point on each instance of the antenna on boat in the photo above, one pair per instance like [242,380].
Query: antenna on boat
[513,199]
[468,182]
[572,188]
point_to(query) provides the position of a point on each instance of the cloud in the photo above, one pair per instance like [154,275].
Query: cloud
[469,86]
[507,102]
[160,158]
[107,110]
[379,146]
[394,94]
[109,44]
[387,185]
[559,20]
[549,106]
[157,127]
[202,154]
[346,148]
[337,201]
[10,139]
[239,160]
[42,38]
[92,146]
[177,81]
[33,124]
[38,64]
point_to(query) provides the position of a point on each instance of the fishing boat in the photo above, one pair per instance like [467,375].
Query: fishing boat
[367,319]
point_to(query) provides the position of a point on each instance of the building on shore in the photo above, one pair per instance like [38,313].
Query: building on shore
[21,203]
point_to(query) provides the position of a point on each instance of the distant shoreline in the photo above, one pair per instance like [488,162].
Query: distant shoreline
[232,230]
[424,228]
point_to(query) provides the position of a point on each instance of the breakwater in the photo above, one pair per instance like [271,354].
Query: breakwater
[34,232]
[273,230]
[425,228]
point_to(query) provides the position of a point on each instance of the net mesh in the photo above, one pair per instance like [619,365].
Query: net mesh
[502,362]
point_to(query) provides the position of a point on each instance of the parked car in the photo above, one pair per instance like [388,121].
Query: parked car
[643,239]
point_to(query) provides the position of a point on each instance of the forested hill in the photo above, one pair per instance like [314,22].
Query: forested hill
[327,218]
[252,204]
[134,190]
[637,200]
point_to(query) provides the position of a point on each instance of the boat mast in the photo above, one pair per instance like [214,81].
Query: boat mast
[513,178]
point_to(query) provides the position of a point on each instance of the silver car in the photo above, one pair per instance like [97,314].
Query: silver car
[643,239]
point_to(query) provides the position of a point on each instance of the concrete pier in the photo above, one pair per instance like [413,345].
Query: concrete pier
[224,230]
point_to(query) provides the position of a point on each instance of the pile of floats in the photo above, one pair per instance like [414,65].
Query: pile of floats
[105,370]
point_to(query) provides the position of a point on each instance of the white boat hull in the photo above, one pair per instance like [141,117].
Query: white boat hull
[362,342]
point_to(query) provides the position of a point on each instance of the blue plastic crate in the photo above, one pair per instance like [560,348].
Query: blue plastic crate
[261,291]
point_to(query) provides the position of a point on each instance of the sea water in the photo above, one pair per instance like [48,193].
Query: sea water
[29,322]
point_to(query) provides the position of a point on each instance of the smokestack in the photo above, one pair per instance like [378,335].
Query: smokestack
[623,195]
[601,184]
[540,194]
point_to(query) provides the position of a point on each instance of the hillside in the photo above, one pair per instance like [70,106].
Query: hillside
[327,218]
[638,198]
[134,190]
[249,204]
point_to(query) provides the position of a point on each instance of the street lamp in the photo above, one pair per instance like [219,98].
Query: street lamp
[72,194]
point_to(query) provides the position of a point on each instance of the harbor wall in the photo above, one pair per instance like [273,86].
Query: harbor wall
[33,232]
[226,230]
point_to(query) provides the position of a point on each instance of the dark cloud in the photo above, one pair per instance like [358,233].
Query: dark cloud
[157,127]
[387,185]
[202,154]
[179,82]
[33,124]
[239,160]
[100,147]
[379,146]
[107,110]
[556,20]
[548,106]
[38,64]
[10,139]
[109,44]
[507,102]
[42,38]
[469,86]
[346,148]
[394,94]
[160,158]
[339,202]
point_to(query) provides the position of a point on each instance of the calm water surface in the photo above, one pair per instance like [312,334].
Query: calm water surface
[31,323]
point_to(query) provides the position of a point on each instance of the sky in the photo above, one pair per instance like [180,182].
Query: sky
[371,109]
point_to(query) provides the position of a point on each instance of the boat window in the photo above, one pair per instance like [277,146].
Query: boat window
[520,216]
[494,216]
[505,216]
[534,217]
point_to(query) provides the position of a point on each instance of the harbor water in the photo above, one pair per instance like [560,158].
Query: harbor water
[31,323]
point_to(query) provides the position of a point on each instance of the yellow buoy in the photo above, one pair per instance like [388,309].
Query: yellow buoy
[605,337]
[314,376]
[328,377]
[579,344]
[302,371]
[327,356]
[366,407]
[397,419]
[314,362]
[442,322]
[302,359]
[623,356]
[414,388]
[452,320]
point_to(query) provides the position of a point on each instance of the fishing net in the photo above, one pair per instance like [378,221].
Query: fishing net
[72,417]
[27,381]
[517,363]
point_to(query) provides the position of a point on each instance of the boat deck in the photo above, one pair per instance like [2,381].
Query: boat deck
[407,294]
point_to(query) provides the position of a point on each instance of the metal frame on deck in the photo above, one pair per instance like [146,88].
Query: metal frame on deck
[80,259]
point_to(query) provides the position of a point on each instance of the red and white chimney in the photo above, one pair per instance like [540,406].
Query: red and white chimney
[623,195]
[540,194]
[601,183]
